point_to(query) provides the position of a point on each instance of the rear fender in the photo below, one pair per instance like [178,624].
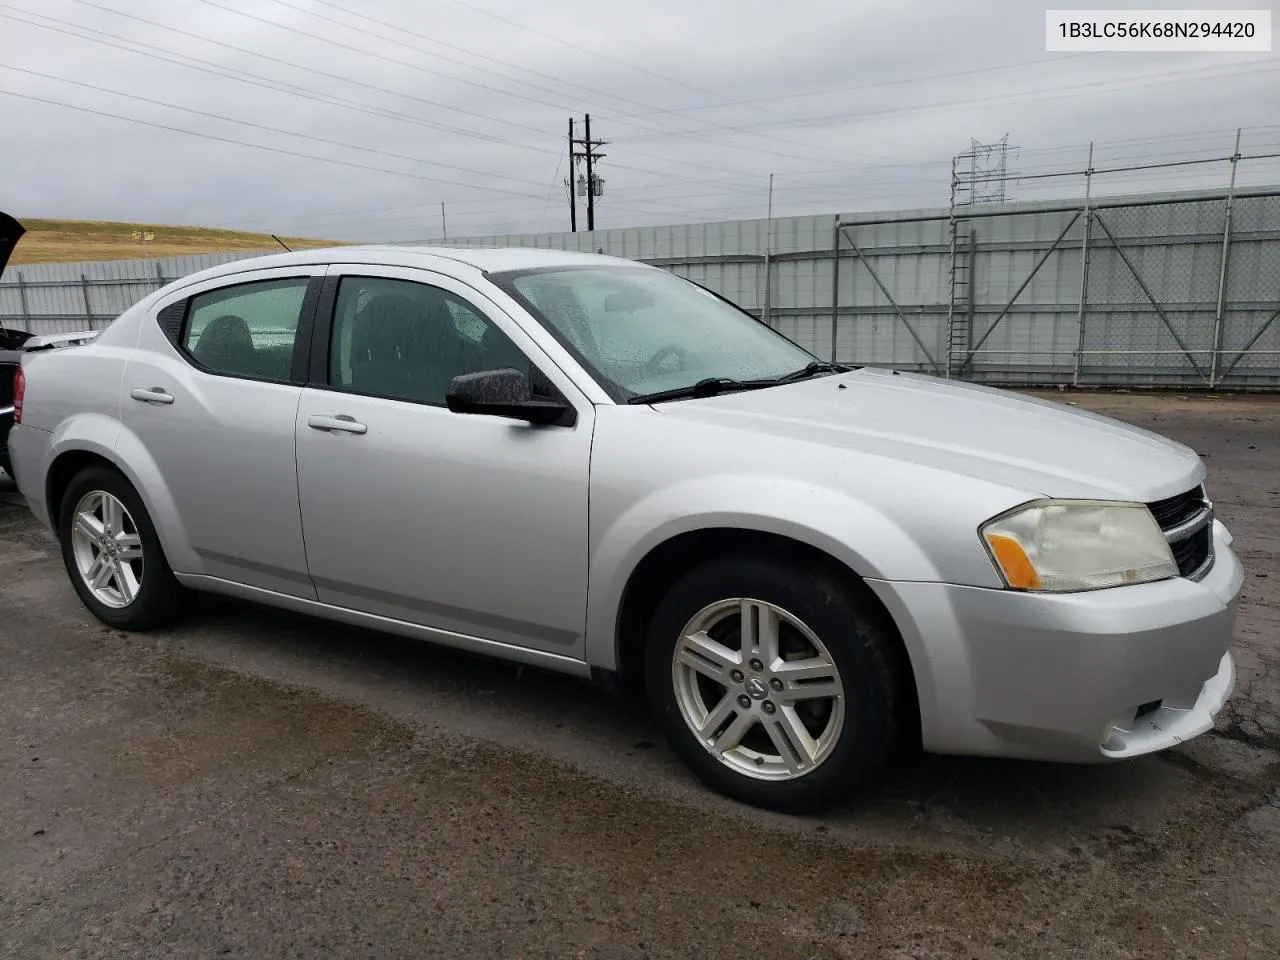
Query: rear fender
[109,439]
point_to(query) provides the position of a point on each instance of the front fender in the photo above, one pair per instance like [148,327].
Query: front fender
[853,533]
[111,440]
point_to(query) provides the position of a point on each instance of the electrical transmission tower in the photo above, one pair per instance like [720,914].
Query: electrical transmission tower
[979,174]
[589,184]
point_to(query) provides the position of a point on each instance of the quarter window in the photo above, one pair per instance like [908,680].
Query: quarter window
[407,341]
[247,330]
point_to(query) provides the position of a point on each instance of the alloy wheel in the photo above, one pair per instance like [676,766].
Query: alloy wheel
[107,549]
[758,689]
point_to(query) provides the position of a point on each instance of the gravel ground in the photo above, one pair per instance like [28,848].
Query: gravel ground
[256,784]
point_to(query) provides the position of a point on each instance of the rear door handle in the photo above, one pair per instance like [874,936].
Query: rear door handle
[151,395]
[339,424]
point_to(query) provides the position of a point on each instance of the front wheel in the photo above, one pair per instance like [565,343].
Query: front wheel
[776,684]
[112,553]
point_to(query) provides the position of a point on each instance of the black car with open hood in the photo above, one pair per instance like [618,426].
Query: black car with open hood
[11,342]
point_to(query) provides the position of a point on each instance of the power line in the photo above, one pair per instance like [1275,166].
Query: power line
[214,69]
[331,76]
[616,60]
[1080,90]
[727,101]
[293,89]
[322,73]
[692,180]
[276,84]
[413,66]
[373,55]
[400,28]
[830,91]
[554,177]
[259,126]
[822,191]
[1177,76]
[259,146]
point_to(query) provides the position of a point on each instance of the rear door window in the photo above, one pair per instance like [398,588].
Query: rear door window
[247,330]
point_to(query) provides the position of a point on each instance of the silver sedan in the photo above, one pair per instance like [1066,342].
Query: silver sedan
[595,466]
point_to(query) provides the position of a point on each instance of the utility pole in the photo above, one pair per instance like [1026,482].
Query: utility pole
[591,175]
[444,227]
[590,185]
[573,203]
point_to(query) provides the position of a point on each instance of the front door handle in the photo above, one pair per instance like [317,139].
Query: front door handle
[339,424]
[151,395]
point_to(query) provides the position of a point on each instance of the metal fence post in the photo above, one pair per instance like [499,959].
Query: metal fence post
[768,258]
[1084,270]
[969,309]
[1216,355]
[22,302]
[835,283]
[88,306]
[159,275]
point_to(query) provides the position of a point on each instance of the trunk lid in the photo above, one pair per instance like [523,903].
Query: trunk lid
[11,232]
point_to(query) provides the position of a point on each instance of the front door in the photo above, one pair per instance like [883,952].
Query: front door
[475,525]
[211,394]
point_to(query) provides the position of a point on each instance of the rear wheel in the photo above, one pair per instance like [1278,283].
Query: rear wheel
[774,683]
[112,553]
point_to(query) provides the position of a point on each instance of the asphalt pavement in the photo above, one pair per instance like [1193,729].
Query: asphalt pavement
[257,784]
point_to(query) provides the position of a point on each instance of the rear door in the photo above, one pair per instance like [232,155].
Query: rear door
[474,525]
[211,394]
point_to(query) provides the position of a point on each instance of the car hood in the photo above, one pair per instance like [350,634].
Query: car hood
[1036,446]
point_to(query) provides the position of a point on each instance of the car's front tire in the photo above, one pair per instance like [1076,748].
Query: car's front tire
[113,555]
[777,684]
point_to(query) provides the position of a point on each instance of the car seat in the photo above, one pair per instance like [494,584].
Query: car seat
[226,345]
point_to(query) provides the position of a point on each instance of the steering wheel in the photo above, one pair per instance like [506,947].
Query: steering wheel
[654,365]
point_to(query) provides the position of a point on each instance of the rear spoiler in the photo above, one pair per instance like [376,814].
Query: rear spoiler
[55,340]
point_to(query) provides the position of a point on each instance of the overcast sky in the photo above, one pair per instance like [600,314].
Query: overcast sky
[409,103]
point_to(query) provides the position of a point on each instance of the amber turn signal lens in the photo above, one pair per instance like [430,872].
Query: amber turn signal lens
[1017,569]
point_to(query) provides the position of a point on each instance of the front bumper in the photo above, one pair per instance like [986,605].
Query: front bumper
[1084,677]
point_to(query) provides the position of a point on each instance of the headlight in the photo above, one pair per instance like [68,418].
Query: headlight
[1059,546]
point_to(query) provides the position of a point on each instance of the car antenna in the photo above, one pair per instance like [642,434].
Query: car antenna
[281,242]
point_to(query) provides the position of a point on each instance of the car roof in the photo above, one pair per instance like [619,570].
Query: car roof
[485,259]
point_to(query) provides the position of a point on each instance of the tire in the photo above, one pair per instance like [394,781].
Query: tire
[852,721]
[154,597]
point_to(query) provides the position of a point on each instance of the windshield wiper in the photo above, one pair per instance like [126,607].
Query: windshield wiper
[703,388]
[812,370]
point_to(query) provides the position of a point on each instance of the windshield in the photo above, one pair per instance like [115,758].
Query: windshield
[641,330]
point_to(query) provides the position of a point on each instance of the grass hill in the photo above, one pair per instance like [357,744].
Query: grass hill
[62,241]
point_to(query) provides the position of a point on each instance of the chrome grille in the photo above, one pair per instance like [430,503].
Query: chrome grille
[1187,522]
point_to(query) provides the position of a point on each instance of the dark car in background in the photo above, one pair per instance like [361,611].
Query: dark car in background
[11,343]
[14,344]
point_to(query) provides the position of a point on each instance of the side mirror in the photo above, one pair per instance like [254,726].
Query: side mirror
[503,393]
